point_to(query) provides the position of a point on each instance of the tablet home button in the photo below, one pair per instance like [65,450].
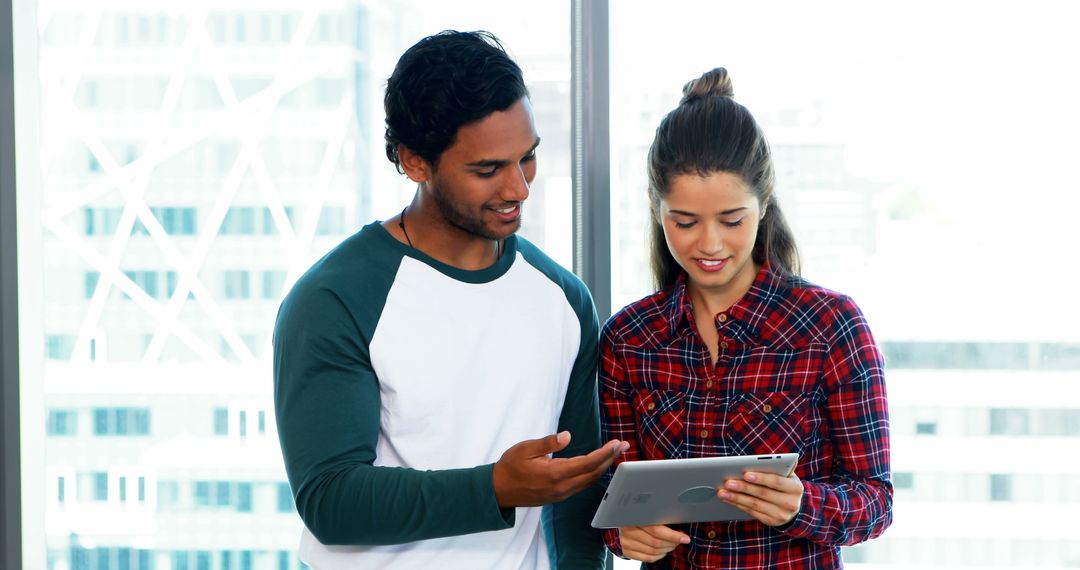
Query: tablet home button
[697,494]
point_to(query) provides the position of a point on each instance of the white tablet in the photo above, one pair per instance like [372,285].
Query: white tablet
[672,491]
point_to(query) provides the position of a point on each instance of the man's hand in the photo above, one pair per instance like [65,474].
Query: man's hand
[526,475]
[771,499]
[650,543]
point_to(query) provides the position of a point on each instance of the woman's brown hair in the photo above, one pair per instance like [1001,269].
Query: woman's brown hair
[707,133]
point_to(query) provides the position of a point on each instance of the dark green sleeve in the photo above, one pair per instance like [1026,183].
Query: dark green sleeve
[326,398]
[572,542]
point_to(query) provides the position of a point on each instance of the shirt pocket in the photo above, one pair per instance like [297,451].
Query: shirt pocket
[761,423]
[661,417]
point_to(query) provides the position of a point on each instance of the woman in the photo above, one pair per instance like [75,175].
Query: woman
[735,354]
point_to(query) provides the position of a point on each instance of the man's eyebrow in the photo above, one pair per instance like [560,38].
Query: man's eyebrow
[489,162]
[724,213]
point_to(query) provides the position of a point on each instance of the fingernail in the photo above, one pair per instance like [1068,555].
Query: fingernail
[725,495]
[563,437]
[750,477]
[624,446]
[685,539]
[732,485]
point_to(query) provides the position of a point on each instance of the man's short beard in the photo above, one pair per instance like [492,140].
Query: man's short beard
[460,219]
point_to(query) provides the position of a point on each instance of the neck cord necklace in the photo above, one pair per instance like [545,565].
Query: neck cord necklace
[401,224]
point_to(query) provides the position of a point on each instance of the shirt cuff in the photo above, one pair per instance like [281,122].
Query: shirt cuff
[805,521]
[613,542]
[486,474]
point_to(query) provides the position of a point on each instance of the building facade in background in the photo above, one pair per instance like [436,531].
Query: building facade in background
[197,159]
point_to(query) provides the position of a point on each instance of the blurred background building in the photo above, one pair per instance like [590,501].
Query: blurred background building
[196,159]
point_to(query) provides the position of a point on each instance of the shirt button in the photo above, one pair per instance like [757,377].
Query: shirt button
[724,345]
[766,408]
[708,384]
[722,318]
[711,535]
[651,406]
[704,433]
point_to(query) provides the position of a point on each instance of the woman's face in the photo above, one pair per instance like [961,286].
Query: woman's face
[710,224]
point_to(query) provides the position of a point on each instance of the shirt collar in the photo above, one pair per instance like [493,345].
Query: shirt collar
[745,318]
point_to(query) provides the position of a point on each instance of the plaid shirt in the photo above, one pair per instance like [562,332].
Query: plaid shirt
[798,371]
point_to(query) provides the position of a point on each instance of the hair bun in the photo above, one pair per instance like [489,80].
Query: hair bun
[713,82]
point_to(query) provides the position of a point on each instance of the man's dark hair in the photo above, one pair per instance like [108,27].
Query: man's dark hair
[443,82]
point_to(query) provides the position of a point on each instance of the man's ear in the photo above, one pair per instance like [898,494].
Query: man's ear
[415,166]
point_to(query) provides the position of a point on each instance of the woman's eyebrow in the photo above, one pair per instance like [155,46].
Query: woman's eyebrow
[724,213]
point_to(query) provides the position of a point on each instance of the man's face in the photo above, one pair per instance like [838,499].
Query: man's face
[483,178]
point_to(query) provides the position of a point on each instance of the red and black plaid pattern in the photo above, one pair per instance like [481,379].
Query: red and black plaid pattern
[798,371]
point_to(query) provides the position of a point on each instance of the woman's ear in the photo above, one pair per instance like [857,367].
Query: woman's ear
[415,166]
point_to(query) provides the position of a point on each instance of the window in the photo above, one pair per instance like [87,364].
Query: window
[243,497]
[145,280]
[1009,421]
[101,422]
[269,226]
[239,222]
[926,428]
[1056,422]
[121,421]
[331,221]
[285,499]
[61,422]
[223,494]
[168,493]
[101,486]
[272,284]
[101,221]
[59,346]
[237,495]
[142,421]
[1001,487]
[90,279]
[177,221]
[221,421]
[202,493]
[237,284]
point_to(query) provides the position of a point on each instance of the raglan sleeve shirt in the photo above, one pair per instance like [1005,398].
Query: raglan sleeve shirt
[575,544]
[328,407]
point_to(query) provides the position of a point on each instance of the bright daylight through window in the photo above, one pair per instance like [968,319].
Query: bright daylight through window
[190,160]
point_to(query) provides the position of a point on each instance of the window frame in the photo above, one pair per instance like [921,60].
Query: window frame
[10,418]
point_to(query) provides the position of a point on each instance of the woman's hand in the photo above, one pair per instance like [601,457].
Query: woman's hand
[650,543]
[769,498]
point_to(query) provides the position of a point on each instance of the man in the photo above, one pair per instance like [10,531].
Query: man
[428,367]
